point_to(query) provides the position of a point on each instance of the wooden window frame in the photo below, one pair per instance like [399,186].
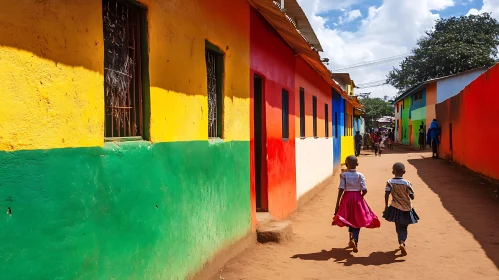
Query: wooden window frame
[302,113]
[326,120]
[215,130]
[314,116]
[126,115]
[285,114]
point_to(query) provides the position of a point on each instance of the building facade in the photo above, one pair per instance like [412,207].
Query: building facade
[467,133]
[415,108]
[140,138]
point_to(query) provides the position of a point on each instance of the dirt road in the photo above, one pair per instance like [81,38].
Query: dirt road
[457,237]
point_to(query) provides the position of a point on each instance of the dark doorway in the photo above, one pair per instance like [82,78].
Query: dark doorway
[259,123]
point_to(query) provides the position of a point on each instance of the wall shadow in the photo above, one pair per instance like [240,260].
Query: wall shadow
[470,198]
[345,257]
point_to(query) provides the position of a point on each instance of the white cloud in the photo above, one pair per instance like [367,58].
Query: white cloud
[350,16]
[440,4]
[489,6]
[328,5]
[386,31]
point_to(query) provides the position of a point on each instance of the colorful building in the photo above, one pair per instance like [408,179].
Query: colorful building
[139,139]
[123,159]
[467,125]
[416,106]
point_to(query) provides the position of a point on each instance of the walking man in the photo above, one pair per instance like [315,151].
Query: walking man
[432,138]
[358,143]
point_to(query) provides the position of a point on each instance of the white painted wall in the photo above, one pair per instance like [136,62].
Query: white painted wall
[314,163]
[449,87]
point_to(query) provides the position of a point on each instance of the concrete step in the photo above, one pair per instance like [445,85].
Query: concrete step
[274,231]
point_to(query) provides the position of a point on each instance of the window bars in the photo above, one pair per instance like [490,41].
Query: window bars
[122,70]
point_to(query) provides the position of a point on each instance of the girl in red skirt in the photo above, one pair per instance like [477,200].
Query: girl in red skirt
[351,208]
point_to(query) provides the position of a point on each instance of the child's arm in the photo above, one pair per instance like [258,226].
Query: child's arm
[411,192]
[363,185]
[387,195]
[340,194]
[388,191]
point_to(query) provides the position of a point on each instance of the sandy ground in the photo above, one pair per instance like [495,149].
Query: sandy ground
[456,238]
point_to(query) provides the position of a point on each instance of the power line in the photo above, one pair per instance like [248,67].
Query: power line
[372,62]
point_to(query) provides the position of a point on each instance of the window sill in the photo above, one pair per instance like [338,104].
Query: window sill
[315,137]
[303,138]
[285,139]
[215,140]
[123,139]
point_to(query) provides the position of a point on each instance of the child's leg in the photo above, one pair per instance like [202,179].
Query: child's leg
[355,234]
[401,232]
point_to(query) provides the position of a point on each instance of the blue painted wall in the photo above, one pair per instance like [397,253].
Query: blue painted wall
[447,88]
[338,117]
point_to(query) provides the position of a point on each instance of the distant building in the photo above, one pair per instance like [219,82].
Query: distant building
[416,106]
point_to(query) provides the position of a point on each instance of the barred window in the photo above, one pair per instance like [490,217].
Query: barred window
[314,115]
[214,74]
[285,114]
[123,69]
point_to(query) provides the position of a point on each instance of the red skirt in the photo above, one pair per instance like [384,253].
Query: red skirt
[354,212]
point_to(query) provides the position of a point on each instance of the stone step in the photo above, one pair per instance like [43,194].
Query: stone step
[275,231]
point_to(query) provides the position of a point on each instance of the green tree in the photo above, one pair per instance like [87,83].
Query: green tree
[454,45]
[375,108]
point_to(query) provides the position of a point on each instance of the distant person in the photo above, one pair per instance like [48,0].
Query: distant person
[358,143]
[400,211]
[382,142]
[376,141]
[366,139]
[432,138]
[391,139]
[351,208]
[421,139]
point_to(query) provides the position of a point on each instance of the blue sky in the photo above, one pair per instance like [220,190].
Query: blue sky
[357,31]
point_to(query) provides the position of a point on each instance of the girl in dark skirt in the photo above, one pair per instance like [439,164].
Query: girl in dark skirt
[400,211]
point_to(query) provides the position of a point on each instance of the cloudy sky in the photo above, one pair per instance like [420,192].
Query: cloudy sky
[359,31]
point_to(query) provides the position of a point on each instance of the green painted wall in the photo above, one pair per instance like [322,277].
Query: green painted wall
[133,211]
[405,120]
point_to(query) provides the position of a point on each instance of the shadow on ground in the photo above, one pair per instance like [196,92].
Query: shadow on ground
[471,199]
[346,257]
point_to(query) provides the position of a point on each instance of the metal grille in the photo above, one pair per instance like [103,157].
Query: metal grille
[211,66]
[122,70]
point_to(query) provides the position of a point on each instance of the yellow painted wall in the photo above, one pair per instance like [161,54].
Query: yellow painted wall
[347,148]
[177,32]
[51,79]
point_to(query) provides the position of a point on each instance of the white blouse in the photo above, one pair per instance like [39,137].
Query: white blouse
[352,181]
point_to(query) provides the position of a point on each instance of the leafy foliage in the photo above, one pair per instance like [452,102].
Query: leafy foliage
[454,45]
[375,108]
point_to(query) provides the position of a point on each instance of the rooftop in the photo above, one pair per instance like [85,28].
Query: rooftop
[422,84]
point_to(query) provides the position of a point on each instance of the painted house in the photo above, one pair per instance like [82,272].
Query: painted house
[467,122]
[416,106]
[123,157]
[139,138]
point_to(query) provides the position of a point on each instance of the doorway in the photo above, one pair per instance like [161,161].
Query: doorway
[260,147]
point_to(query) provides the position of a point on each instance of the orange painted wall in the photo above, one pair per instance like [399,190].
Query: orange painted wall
[431,100]
[314,85]
[473,119]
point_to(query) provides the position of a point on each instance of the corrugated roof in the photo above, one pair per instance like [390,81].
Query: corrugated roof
[295,12]
[288,32]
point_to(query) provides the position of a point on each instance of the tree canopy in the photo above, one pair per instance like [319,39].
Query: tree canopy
[454,45]
[375,108]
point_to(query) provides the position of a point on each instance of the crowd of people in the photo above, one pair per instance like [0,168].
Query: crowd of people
[375,141]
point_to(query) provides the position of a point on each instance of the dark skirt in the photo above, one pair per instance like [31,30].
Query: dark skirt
[395,215]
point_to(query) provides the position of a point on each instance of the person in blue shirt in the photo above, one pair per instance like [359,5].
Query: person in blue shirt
[432,138]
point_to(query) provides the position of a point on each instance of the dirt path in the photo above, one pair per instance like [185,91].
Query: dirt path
[457,237]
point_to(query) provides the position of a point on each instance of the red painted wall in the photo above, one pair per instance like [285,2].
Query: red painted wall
[274,60]
[472,114]
[314,85]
